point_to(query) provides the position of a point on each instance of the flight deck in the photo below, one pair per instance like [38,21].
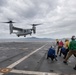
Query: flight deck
[30,58]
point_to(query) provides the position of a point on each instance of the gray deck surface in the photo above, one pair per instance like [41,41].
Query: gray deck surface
[36,63]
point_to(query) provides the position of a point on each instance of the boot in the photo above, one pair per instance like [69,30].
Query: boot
[74,67]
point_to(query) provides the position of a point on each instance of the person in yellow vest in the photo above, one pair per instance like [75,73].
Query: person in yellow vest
[66,45]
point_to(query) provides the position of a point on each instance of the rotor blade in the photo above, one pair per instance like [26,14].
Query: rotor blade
[36,24]
[8,22]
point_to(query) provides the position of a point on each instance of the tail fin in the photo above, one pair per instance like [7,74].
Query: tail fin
[11,28]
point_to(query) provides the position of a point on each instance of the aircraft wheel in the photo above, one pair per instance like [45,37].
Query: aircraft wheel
[18,35]
[24,35]
[31,33]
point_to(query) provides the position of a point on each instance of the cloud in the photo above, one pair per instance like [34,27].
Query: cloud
[58,16]
[3,2]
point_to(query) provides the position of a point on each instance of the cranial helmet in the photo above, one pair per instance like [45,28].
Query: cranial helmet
[73,38]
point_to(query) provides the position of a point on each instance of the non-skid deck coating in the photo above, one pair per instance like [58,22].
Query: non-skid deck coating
[29,58]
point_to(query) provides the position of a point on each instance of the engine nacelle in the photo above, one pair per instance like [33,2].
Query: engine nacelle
[11,28]
[34,29]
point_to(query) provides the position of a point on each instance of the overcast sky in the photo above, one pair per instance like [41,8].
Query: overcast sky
[58,17]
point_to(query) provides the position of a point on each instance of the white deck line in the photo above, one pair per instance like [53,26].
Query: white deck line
[25,57]
[32,72]
[1,73]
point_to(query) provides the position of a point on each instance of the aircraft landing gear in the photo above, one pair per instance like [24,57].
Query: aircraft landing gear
[30,33]
[18,35]
[24,35]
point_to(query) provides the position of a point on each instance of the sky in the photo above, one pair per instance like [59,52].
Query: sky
[58,17]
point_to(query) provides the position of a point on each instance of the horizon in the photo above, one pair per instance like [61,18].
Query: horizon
[34,38]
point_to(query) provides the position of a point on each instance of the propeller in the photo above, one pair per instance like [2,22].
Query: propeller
[36,24]
[9,22]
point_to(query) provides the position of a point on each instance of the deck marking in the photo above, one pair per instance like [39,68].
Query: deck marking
[5,70]
[1,73]
[32,72]
[25,57]
[24,48]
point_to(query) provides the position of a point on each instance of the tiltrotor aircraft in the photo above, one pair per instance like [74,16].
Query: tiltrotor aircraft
[21,31]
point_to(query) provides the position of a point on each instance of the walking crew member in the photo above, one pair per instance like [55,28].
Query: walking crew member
[72,49]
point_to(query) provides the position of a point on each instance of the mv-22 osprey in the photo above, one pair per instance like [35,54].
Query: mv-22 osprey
[21,31]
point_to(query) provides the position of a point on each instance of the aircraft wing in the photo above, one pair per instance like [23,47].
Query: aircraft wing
[19,29]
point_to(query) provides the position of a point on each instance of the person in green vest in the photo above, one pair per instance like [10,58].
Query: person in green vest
[72,49]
